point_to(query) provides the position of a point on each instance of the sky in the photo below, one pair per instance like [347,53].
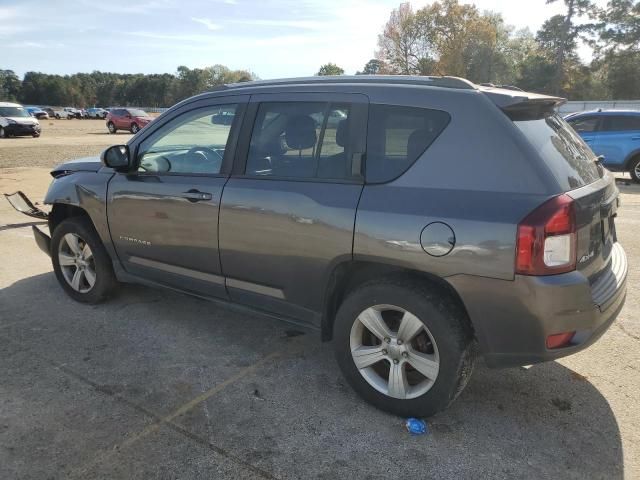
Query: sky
[273,39]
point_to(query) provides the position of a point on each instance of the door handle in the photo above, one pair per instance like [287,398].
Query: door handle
[196,196]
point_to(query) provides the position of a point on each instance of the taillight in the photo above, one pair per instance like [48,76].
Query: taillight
[546,239]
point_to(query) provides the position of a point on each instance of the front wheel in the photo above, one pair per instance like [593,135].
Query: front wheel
[135,128]
[81,263]
[635,169]
[57,116]
[404,347]
[3,133]
[112,128]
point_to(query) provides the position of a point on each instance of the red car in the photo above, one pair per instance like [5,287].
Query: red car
[132,119]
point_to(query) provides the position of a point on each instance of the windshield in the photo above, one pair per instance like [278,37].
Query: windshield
[563,150]
[137,113]
[14,112]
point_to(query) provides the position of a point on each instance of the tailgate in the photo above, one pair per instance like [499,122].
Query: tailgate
[596,207]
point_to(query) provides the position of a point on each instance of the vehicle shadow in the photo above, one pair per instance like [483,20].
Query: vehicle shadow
[11,226]
[544,422]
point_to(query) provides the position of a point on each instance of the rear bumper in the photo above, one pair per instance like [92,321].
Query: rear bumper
[513,319]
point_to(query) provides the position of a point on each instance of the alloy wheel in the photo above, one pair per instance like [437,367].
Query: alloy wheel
[394,351]
[77,263]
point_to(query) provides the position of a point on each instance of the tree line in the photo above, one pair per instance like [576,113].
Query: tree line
[451,38]
[108,89]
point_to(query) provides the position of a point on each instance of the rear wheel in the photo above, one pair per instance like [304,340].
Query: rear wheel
[80,261]
[3,133]
[403,347]
[112,128]
[135,128]
[634,169]
[36,135]
[57,116]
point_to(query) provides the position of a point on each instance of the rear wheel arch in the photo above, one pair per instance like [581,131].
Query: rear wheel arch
[348,276]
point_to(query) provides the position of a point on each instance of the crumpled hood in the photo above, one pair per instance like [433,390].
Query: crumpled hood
[84,164]
[24,120]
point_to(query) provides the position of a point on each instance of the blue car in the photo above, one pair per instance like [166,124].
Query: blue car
[613,134]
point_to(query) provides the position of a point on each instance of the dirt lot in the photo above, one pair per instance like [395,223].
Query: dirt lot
[158,385]
[60,140]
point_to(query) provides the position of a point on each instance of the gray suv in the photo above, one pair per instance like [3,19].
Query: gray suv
[417,222]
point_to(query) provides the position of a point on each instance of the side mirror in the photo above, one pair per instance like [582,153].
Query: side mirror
[117,157]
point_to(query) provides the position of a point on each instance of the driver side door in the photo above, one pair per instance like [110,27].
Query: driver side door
[163,217]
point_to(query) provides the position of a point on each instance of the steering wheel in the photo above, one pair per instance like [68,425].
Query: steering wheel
[204,157]
[160,162]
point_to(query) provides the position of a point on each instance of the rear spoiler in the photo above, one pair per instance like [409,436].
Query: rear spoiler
[520,105]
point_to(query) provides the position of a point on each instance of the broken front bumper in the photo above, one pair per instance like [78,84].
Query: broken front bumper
[22,204]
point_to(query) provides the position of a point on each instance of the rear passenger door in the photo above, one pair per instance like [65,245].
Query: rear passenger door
[620,136]
[288,211]
[587,126]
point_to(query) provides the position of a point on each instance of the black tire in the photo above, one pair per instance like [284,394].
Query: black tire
[135,128]
[3,133]
[112,128]
[446,322]
[634,169]
[57,116]
[105,280]
[36,135]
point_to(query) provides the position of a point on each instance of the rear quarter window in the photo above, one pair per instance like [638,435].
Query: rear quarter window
[568,157]
[397,136]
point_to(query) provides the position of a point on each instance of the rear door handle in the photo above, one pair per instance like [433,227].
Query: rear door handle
[196,196]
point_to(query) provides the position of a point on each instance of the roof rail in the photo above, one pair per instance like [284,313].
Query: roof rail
[446,82]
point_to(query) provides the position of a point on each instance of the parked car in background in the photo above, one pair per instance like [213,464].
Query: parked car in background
[131,119]
[612,134]
[37,112]
[436,221]
[97,112]
[59,114]
[76,112]
[50,111]
[16,120]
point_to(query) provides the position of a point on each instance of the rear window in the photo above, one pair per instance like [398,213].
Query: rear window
[565,153]
[397,136]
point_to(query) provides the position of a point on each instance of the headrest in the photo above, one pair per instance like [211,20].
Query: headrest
[342,132]
[300,132]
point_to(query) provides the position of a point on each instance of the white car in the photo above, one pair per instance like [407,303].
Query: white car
[15,120]
[63,114]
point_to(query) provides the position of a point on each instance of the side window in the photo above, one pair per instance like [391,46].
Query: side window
[621,123]
[301,140]
[584,124]
[397,136]
[194,142]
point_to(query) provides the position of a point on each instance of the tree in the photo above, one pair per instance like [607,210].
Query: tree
[620,24]
[401,44]
[372,67]
[562,33]
[330,69]
[9,85]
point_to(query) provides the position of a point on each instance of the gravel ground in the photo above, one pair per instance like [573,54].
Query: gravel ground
[60,140]
[159,385]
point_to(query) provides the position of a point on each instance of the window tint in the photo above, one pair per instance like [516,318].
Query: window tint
[301,140]
[570,159]
[584,124]
[621,123]
[191,143]
[397,136]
